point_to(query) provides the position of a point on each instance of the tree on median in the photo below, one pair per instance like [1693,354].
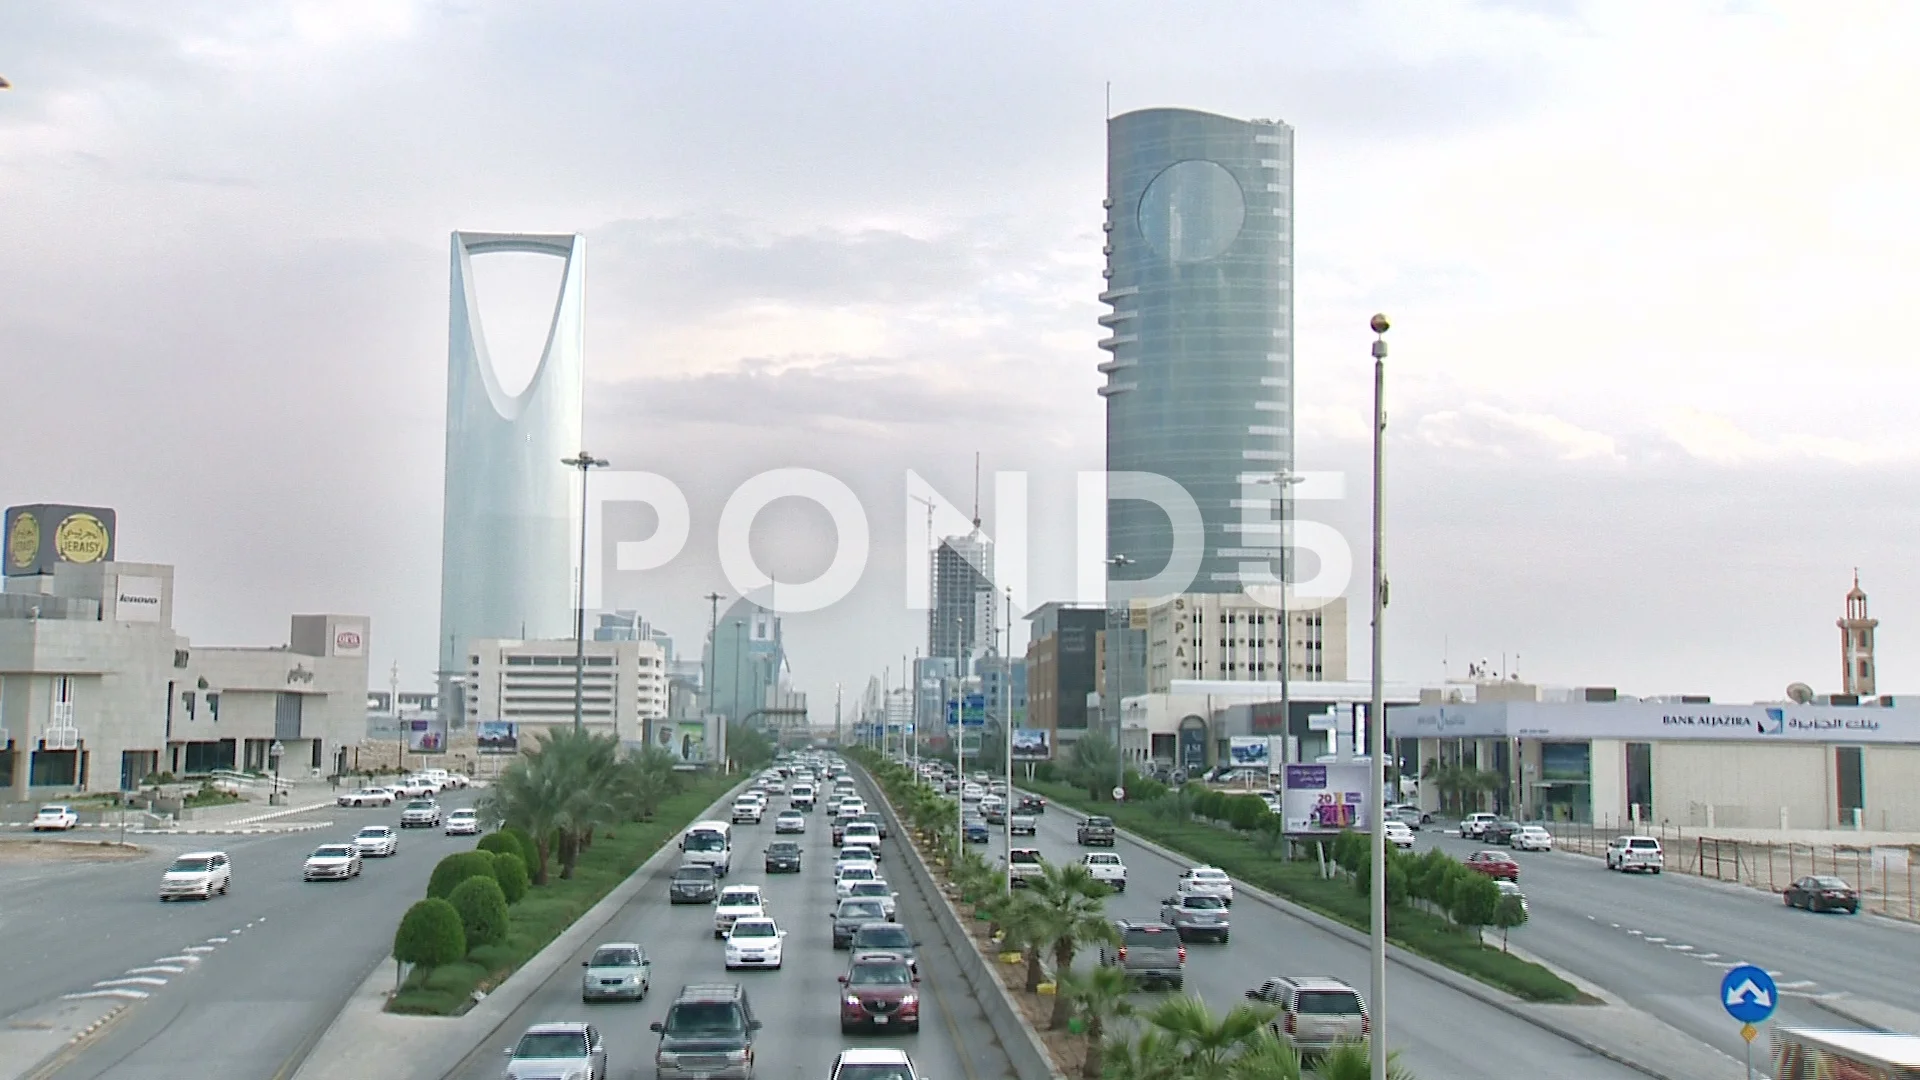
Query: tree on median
[430,935]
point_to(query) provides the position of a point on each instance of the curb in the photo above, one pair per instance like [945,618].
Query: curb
[459,1038]
[1025,1051]
[1464,984]
[288,812]
[281,830]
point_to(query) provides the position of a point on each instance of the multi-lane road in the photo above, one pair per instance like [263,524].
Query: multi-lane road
[798,1004]
[1663,942]
[239,985]
[1440,1033]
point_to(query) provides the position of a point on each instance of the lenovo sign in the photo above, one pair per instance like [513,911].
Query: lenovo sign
[349,641]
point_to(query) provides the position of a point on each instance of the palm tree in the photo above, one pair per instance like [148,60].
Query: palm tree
[1098,996]
[1025,924]
[1073,904]
[1266,1056]
[1351,1061]
[527,797]
[1209,1045]
[1151,1055]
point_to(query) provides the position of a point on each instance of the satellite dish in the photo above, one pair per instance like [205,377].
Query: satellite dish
[1799,693]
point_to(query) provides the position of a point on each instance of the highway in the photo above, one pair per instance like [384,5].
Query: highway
[797,1004]
[234,986]
[1440,1033]
[1663,942]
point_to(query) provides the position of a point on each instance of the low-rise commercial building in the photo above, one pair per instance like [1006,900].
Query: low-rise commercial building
[518,689]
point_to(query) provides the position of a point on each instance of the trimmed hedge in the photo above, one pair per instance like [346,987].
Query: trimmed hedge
[511,871]
[456,868]
[430,935]
[483,910]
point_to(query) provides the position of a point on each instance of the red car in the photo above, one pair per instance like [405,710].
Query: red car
[879,993]
[1497,865]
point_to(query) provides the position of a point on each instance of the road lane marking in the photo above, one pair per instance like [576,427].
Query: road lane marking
[157,969]
[1709,956]
[125,992]
[197,949]
[1724,963]
[132,980]
[1635,933]
[216,941]
[1803,984]
[1656,940]
[182,959]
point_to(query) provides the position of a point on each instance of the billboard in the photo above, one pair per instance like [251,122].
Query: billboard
[137,599]
[1032,744]
[43,535]
[1249,752]
[425,736]
[688,741]
[498,736]
[1324,799]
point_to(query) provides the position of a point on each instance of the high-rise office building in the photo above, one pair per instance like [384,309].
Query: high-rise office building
[962,619]
[1199,384]
[506,567]
[748,659]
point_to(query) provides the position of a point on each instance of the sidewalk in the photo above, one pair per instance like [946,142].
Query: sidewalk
[32,1042]
[248,817]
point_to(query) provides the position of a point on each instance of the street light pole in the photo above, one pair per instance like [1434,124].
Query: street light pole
[1285,480]
[584,462]
[1112,695]
[1377,723]
[1006,729]
[273,755]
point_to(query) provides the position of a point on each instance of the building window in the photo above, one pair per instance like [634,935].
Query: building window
[519,661]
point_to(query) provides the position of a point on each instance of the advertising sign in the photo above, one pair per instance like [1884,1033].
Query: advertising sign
[1652,721]
[350,639]
[40,536]
[689,742]
[1193,745]
[498,736]
[1324,799]
[1032,744]
[1249,752]
[137,600]
[428,736]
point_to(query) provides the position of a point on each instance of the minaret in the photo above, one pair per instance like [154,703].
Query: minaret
[1856,643]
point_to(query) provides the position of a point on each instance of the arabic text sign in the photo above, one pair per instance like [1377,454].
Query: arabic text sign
[1320,799]
[1655,720]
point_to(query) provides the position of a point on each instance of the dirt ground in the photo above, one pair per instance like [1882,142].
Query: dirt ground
[48,849]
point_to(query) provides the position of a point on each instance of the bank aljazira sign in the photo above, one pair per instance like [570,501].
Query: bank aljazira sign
[1650,721]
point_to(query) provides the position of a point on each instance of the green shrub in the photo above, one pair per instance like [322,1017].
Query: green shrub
[497,842]
[483,910]
[528,853]
[511,871]
[1248,812]
[1476,900]
[456,868]
[430,934]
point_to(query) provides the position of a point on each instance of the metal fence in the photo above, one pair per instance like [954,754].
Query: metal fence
[1884,873]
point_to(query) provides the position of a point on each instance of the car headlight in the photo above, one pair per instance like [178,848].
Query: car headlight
[853,999]
[910,999]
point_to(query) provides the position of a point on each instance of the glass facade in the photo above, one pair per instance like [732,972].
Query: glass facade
[1200,374]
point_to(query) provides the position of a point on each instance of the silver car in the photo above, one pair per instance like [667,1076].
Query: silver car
[421,813]
[617,971]
[566,1049]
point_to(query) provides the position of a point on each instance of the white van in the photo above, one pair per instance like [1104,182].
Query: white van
[709,843]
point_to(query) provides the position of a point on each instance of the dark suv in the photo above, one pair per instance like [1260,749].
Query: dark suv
[708,1034]
[881,993]
[783,857]
[693,883]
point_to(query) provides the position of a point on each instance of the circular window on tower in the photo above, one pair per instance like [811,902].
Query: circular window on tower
[1192,211]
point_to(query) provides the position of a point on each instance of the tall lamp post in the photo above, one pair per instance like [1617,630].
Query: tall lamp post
[1112,696]
[273,758]
[1377,724]
[1285,480]
[586,463]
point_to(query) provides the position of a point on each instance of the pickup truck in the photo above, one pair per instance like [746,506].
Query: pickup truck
[1023,866]
[1096,832]
[1022,825]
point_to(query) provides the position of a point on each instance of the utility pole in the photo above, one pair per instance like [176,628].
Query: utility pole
[1006,728]
[836,714]
[1118,627]
[1377,719]
[713,643]
[584,462]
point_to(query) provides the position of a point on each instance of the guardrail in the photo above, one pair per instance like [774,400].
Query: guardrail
[1025,1052]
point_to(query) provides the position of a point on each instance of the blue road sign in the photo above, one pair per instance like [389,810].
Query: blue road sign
[1749,994]
[975,711]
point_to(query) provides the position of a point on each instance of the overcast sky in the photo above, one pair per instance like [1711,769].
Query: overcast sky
[1650,393]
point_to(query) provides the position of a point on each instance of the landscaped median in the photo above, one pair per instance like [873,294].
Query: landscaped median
[598,817]
[1435,912]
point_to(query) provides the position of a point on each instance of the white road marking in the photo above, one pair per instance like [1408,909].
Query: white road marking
[123,992]
[157,969]
[1803,984]
[135,980]
[1709,956]
[1724,963]
[1635,933]
[183,959]
[198,949]
[1681,948]
[1657,940]
[1616,926]
[216,941]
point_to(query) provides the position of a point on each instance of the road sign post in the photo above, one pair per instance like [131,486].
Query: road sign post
[1749,996]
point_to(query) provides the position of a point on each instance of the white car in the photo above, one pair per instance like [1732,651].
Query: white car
[1206,881]
[1023,825]
[55,817]
[1532,838]
[844,880]
[1398,833]
[367,796]
[1638,853]
[877,890]
[748,811]
[737,902]
[850,808]
[790,821]
[332,862]
[376,842]
[869,1062]
[463,823]
[1508,888]
[197,873]
[421,813]
[754,942]
[1106,868]
[859,851]
[1474,824]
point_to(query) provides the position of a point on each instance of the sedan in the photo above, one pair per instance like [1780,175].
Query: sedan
[1398,833]
[377,841]
[368,796]
[976,831]
[1822,893]
[1497,865]
[333,862]
[877,890]
[618,971]
[790,821]
[55,817]
[754,943]
[1532,838]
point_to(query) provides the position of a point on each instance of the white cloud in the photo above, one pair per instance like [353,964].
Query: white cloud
[1718,439]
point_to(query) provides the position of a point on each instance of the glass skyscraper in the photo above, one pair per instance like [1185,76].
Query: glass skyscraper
[1200,374]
